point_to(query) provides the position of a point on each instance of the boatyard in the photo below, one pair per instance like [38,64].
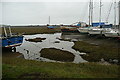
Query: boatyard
[76,50]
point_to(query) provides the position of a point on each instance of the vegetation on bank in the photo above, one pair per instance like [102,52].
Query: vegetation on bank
[97,52]
[35,39]
[33,30]
[21,68]
[14,67]
[57,54]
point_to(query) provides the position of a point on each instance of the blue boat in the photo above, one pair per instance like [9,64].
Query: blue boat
[50,27]
[10,40]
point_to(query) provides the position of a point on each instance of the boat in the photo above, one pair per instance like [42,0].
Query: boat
[100,29]
[72,28]
[10,40]
[96,26]
[114,32]
[69,29]
[50,26]
[95,31]
[84,29]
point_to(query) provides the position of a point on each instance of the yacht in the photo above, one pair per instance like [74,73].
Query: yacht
[112,33]
[100,30]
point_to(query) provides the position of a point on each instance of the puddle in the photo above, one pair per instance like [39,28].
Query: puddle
[34,48]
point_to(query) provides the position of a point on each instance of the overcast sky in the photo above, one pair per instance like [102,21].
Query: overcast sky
[62,12]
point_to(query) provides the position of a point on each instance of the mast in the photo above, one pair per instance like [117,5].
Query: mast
[49,20]
[90,12]
[115,13]
[119,13]
[100,12]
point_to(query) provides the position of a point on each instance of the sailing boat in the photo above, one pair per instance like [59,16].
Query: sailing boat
[72,28]
[100,27]
[96,26]
[50,26]
[114,32]
[10,40]
[84,29]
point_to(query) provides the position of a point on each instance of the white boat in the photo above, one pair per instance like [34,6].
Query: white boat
[100,30]
[95,31]
[83,30]
[112,33]
[96,27]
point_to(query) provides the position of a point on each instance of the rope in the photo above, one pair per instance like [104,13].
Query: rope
[109,12]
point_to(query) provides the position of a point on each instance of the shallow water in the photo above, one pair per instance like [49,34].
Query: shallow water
[35,48]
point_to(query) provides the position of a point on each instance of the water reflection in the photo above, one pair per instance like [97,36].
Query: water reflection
[35,48]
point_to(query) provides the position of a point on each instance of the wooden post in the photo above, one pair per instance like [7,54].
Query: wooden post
[5,32]
[28,54]
[14,49]
[10,31]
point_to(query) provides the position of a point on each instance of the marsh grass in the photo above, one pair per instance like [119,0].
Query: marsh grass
[57,54]
[15,68]
[97,52]
[32,30]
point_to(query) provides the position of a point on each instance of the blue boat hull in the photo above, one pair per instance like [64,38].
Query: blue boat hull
[12,41]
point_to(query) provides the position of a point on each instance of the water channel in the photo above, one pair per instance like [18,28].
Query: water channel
[34,48]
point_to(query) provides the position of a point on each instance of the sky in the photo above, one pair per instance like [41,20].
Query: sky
[24,12]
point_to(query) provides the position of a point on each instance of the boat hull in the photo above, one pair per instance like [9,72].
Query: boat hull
[112,34]
[12,41]
[95,32]
[83,30]
[68,30]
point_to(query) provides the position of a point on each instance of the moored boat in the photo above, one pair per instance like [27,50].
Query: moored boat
[100,29]
[72,28]
[84,30]
[69,29]
[95,31]
[10,40]
[112,33]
